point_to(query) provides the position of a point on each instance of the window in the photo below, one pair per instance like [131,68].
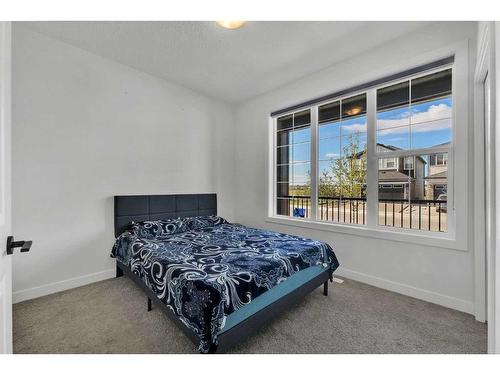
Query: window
[388,163]
[409,163]
[414,116]
[439,159]
[322,153]
[293,164]
[342,160]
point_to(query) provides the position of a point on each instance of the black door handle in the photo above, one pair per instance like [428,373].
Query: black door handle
[11,245]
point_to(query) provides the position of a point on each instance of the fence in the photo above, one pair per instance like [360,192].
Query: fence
[428,215]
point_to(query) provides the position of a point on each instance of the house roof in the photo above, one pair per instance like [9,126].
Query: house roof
[443,174]
[442,144]
[389,147]
[393,176]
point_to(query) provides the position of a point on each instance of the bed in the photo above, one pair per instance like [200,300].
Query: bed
[218,281]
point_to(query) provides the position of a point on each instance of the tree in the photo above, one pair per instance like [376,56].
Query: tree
[346,176]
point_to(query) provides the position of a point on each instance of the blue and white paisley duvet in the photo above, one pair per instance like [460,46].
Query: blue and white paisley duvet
[204,269]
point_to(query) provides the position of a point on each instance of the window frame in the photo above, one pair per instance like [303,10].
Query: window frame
[411,164]
[456,236]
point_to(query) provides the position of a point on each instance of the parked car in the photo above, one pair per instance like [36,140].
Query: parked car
[442,207]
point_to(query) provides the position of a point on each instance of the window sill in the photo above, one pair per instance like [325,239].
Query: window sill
[436,240]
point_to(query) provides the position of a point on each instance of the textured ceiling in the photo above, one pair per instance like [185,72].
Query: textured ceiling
[231,65]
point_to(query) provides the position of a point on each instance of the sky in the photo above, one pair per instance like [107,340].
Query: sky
[424,125]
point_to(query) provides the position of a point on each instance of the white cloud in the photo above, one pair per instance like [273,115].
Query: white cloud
[332,155]
[437,117]
[354,128]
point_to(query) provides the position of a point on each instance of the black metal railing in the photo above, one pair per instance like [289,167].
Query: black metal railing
[419,214]
[431,215]
[342,210]
[288,206]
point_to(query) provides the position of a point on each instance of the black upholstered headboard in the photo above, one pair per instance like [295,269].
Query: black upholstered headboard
[160,207]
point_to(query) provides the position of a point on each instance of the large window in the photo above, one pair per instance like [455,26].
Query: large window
[342,141]
[414,118]
[322,154]
[293,164]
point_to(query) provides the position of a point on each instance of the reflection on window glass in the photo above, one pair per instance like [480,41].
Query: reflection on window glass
[353,144]
[423,120]
[409,162]
[283,172]
[329,112]
[393,116]
[414,195]
[329,148]
[342,137]
[431,86]
[301,152]
[353,106]
[283,155]
[388,163]
[302,135]
[293,176]
[413,133]
[285,122]
[393,139]
[301,173]
[284,138]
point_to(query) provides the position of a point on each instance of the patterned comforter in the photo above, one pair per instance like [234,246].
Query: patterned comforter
[204,269]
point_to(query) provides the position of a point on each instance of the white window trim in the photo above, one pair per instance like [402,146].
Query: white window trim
[457,236]
[410,163]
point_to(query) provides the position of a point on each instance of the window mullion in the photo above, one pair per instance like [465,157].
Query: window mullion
[371,161]
[314,162]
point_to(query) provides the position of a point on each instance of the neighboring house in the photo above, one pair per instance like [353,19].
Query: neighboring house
[437,178]
[400,177]
[404,177]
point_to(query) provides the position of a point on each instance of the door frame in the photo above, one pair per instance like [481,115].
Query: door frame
[5,186]
[484,165]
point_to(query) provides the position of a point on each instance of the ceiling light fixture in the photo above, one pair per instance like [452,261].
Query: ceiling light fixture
[231,24]
[354,111]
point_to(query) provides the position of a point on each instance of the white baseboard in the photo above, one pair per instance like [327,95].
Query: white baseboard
[59,286]
[408,290]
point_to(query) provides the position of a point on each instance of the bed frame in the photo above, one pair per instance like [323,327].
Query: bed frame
[160,207]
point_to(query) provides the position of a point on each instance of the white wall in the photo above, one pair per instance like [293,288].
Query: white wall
[494,285]
[86,128]
[435,274]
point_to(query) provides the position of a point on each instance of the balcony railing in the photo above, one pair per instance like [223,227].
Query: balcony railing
[430,215]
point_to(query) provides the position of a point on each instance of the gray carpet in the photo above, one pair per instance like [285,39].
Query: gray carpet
[111,317]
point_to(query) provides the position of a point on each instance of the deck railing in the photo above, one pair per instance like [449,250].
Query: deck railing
[419,214]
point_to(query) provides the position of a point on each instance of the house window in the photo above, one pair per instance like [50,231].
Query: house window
[439,159]
[388,163]
[322,154]
[408,163]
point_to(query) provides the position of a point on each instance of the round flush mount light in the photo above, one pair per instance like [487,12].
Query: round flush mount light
[354,111]
[231,24]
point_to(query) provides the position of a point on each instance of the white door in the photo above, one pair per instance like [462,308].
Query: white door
[5,197]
